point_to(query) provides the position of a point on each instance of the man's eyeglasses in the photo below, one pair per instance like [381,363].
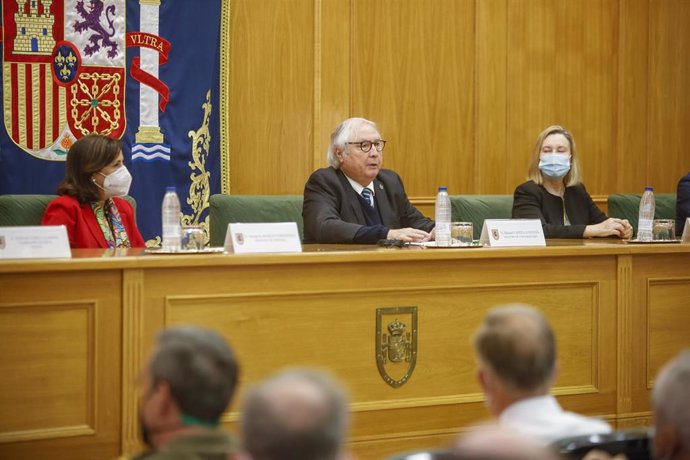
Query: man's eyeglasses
[365,146]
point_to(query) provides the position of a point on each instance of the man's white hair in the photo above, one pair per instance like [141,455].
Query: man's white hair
[342,135]
[670,396]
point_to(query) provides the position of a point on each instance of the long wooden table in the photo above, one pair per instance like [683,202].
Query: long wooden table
[74,333]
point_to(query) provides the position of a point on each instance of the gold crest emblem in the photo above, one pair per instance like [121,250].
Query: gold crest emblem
[396,344]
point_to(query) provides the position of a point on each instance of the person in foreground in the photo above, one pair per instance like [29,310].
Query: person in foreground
[516,354]
[682,203]
[671,408]
[555,195]
[298,414]
[495,443]
[187,384]
[354,200]
[88,204]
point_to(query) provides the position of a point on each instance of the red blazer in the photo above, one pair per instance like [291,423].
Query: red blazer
[83,230]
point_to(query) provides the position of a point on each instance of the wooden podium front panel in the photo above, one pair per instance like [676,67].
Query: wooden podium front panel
[74,334]
[60,362]
[660,329]
[324,315]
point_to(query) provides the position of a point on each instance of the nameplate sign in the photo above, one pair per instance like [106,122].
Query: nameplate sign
[686,231]
[262,238]
[512,232]
[40,242]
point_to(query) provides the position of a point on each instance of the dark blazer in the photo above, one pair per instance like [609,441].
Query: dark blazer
[532,201]
[682,204]
[83,230]
[332,211]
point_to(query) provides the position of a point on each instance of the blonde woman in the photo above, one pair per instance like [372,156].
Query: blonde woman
[555,195]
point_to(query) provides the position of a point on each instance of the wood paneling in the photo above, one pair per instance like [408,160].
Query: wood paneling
[461,88]
[60,357]
[271,95]
[669,90]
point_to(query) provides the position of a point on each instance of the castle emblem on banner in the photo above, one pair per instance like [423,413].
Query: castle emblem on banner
[63,72]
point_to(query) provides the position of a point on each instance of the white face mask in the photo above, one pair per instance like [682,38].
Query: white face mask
[116,183]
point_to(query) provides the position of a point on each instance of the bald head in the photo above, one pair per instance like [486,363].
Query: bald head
[298,414]
[518,345]
[672,406]
[494,443]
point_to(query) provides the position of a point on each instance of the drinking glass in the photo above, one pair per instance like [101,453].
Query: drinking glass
[192,238]
[461,232]
[664,229]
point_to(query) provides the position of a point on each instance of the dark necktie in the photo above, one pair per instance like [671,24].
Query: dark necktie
[368,196]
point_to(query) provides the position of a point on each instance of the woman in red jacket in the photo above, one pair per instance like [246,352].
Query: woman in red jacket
[88,204]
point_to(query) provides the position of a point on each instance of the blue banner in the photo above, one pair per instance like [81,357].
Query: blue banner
[144,72]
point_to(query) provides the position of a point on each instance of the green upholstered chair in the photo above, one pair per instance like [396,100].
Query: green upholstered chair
[247,209]
[477,208]
[24,210]
[627,206]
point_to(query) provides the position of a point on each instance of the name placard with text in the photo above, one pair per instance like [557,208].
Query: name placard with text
[262,238]
[512,232]
[39,242]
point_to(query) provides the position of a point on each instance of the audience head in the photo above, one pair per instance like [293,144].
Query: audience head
[671,404]
[516,351]
[494,443]
[360,162]
[298,414]
[555,140]
[188,382]
[89,161]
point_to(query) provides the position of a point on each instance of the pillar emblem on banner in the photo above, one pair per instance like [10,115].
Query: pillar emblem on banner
[396,344]
[149,142]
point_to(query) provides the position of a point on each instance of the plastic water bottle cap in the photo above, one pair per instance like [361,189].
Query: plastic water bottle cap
[170,188]
[651,189]
[443,189]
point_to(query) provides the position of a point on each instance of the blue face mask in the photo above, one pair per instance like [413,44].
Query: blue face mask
[554,166]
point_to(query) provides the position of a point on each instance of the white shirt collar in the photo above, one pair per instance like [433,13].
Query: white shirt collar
[358,187]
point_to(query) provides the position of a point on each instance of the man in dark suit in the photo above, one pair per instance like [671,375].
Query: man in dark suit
[354,200]
[682,203]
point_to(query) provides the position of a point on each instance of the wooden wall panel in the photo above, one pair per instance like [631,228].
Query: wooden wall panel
[271,95]
[413,73]
[669,92]
[461,88]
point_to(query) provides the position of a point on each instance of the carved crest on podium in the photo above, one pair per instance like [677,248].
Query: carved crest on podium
[396,344]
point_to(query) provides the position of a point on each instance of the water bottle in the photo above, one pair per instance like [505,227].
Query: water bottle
[442,217]
[170,211]
[644,224]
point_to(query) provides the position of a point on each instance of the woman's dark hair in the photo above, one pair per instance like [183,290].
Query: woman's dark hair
[86,157]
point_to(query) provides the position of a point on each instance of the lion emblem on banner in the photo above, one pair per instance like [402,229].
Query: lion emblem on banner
[92,21]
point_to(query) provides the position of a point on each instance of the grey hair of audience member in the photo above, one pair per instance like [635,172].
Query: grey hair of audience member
[518,344]
[671,399]
[495,443]
[299,414]
[200,368]
[342,135]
